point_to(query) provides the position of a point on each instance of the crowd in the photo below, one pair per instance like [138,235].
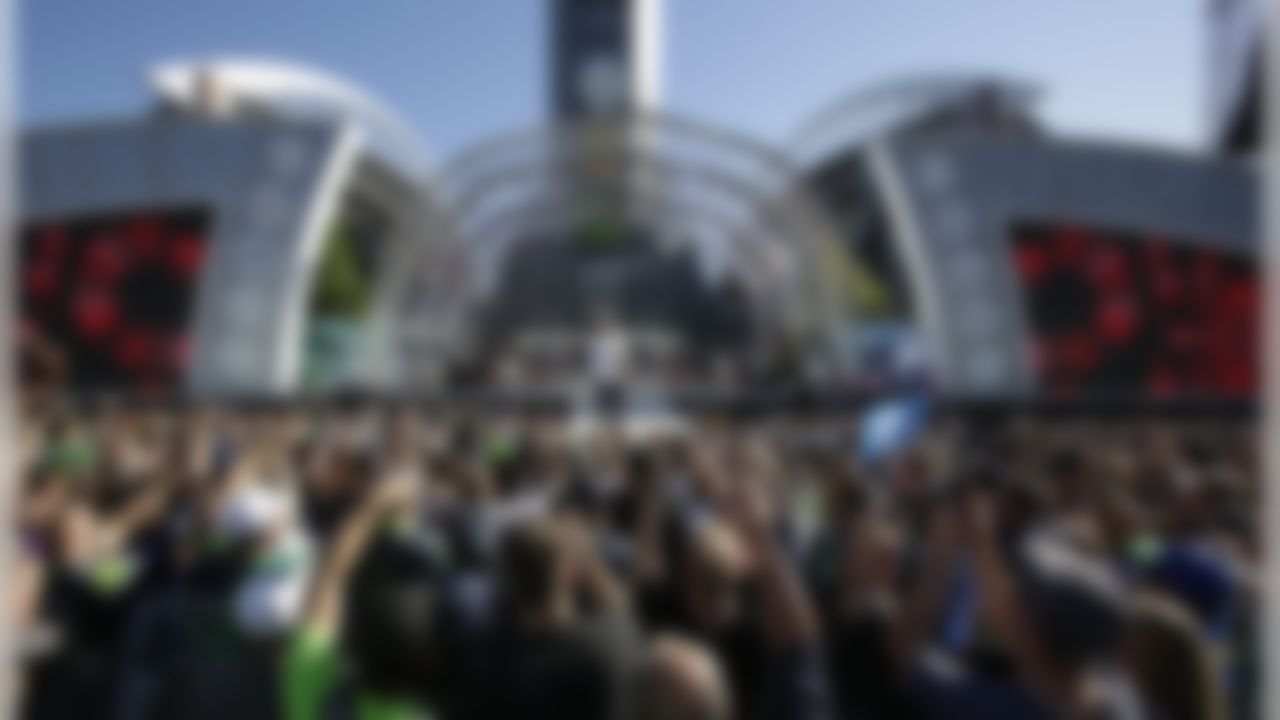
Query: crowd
[389,563]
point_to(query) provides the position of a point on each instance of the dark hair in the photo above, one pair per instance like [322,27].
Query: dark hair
[852,495]
[1075,600]
[391,618]
[642,466]
[1065,463]
[530,563]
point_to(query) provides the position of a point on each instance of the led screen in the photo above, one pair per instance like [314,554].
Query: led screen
[114,294]
[1125,313]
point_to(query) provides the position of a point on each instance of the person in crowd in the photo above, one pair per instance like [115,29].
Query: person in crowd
[372,647]
[233,560]
[562,643]
[608,362]
[678,679]
[1172,661]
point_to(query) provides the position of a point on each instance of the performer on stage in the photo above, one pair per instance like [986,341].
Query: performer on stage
[608,362]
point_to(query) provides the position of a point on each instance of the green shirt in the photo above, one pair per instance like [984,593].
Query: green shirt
[312,668]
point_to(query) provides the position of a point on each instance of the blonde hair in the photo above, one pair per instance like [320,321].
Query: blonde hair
[1176,672]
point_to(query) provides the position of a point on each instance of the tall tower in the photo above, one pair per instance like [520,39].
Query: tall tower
[605,57]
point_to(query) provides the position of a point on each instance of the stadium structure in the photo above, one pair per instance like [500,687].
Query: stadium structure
[269,229]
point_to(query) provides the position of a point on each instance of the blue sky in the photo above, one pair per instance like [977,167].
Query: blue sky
[459,70]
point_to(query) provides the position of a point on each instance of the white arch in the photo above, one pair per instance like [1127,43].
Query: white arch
[280,86]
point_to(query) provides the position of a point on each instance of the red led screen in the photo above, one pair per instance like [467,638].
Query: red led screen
[114,294]
[1126,313]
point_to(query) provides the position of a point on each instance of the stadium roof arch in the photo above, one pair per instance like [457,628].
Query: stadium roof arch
[272,86]
[694,186]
